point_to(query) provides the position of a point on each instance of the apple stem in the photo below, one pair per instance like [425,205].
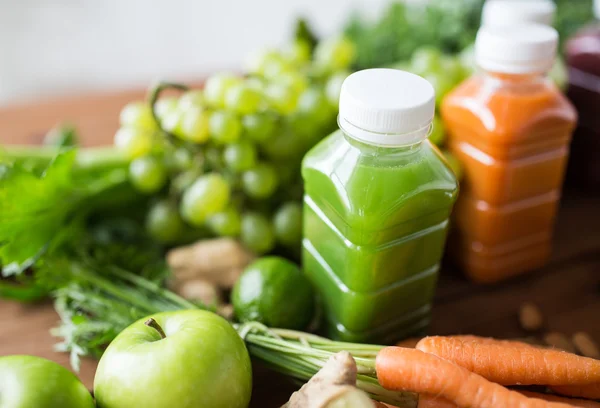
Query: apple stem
[154,324]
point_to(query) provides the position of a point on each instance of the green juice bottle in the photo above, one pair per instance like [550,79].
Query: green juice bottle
[378,196]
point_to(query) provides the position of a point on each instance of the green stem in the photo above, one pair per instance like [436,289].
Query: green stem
[111,289]
[153,96]
[90,158]
[153,287]
[154,324]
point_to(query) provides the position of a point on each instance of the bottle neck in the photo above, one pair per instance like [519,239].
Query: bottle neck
[360,136]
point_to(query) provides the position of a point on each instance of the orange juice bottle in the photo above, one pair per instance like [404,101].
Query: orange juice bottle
[511,128]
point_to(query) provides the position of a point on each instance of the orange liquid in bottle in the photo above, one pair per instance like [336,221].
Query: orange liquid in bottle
[512,133]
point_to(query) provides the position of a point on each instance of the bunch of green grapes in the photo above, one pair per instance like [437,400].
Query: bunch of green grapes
[226,158]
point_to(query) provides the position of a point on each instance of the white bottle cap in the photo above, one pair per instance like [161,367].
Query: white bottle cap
[386,107]
[512,12]
[519,49]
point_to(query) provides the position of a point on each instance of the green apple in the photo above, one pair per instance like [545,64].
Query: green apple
[183,359]
[34,382]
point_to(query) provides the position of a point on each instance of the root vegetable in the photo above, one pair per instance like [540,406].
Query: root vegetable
[334,386]
[511,363]
[201,291]
[404,369]
[226,311]
[591,391]
[219,261]
[580,403]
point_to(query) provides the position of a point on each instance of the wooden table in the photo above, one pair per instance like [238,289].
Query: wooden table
[567,290]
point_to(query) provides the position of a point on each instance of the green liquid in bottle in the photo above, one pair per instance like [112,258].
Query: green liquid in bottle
[375,224]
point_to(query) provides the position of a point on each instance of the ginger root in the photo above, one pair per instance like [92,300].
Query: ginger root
[334,386]
[200,290]
[219,261]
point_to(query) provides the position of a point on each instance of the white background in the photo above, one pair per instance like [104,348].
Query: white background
[57,47]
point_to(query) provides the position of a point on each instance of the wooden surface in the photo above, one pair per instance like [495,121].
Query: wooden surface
[567,290]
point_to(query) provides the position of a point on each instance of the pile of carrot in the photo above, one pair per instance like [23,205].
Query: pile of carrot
[473,372]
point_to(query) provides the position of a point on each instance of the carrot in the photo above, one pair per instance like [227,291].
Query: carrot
[507,363]
[580,403]
[404,369]
[591,391]
[429,401]
[378,404]
[490,340]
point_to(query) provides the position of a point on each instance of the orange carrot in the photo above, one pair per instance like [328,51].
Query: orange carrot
[429,401]
[405,369]
[590,391]
[505,363]
[378,404]
[580,403]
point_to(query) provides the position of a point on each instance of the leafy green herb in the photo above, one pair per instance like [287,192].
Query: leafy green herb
[38,206]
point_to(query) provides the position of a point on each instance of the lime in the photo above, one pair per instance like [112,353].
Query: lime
[273,291]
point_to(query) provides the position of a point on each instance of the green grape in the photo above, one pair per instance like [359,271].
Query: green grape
[194,125]
[180,159]
[298,53]
[257,233]
[287,143]
[165,106]
[294,80]
[313,106]
[276,68]
[260,182]
[333,88]
[208,195]
[335,54]
[259,127]
[438,133]
[191,99]
[147,174]
[303,133]
[183,180]
[453,68]
[442,84]
[259,61]
[287,223]
[240,156]
[256,83]
[164,223]
[133,142]
[226,223]
[172,122]
[225,127]
[426,60]
[243,99]
[282,98]
[287,173]
[214,157]
[216,86]
[139,115]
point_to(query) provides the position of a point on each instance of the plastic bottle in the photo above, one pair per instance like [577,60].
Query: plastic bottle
[378,196]
[510,127]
